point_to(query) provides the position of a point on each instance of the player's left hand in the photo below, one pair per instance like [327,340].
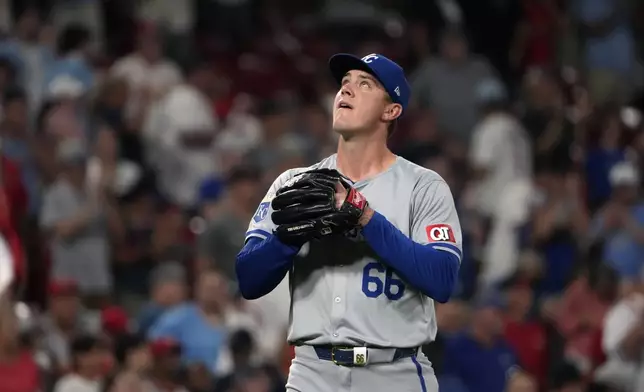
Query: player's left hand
[319,203]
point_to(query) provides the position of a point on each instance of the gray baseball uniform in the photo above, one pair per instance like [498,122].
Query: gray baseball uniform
[341,295]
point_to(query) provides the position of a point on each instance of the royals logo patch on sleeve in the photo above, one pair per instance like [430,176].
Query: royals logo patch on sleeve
[440,233]
[262,212]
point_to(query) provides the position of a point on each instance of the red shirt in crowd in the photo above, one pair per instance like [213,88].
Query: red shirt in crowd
[541,18]
[528,339]
[20,375]
[580,319]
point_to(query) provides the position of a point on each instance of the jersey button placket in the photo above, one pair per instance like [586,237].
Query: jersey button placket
[338,307]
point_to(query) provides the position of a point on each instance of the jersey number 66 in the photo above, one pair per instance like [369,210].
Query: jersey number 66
[373,286]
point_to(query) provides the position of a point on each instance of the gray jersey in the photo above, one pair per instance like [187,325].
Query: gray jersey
[340,293]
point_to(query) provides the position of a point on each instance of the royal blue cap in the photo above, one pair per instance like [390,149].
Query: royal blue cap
[388,73]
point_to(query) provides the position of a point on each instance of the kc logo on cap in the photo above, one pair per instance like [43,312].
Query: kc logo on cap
[369,58]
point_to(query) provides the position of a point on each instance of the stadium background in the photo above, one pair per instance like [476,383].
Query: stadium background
[137,138]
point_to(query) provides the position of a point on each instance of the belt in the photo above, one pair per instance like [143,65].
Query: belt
[361,356]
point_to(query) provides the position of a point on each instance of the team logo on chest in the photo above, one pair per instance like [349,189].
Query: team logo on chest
[262,212]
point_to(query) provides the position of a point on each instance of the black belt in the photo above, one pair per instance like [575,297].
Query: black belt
[358,356]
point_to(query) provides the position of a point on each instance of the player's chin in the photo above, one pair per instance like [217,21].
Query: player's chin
[345,128]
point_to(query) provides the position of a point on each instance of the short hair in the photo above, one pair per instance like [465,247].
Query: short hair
[241,341]
[125,344]
[243,173]
[194,65]
[14,94]
[73,37]
[83,344]
[8,65]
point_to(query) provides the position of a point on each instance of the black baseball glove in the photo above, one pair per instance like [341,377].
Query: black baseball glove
[306,209]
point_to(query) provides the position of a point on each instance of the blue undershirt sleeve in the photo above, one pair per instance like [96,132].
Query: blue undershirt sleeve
[432,271]
[262,264]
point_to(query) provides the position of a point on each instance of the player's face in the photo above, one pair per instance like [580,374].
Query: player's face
[360,104]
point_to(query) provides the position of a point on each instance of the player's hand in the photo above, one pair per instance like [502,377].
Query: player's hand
[316,204]
[340,195]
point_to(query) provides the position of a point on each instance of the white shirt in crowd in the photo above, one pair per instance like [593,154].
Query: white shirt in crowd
[621,372]
[181,169]
[76,383]
[158,78]
[6,265]
[500,146]
[502,249]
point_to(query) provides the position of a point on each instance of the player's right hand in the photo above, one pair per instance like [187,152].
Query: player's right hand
[313,207]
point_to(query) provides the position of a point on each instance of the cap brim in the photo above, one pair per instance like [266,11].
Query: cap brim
[342,63]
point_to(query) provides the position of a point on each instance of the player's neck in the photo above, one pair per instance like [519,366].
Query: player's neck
[361,159]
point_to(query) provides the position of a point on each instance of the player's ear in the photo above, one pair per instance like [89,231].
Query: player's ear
[392,111]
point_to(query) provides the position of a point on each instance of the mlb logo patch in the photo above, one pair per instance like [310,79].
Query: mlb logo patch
[262,212]
[440,233]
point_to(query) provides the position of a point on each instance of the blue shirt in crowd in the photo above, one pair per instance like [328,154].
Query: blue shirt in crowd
[613,51]
[475,367]
[621,250]
[597,167]
[201,342]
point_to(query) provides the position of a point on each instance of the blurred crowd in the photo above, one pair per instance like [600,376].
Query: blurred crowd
[138,137]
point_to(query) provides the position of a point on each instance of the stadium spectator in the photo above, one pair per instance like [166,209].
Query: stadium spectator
[582,310]
[565,377]
[64,320]
[75,220]
[18,369]
[199,327]
[525,333]
[181,130]
[73,61]
[28,56]
[167,290]
[18,146]
[608,48]
[166,372]
[132,353]
[447,84]
[522,382]
[607,145]
[480,358]
[622,338]
[219,244]
[558,219]
[87,367]
[620,220]
[148,74]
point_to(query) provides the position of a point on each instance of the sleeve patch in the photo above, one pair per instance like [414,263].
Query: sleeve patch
[262,212]
[440,233]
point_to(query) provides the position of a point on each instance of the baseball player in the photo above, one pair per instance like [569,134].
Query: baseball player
[370,241]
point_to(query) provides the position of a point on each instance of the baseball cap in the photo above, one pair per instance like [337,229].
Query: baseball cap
[162,347]
[62,287]
[490,90]
[114,320]
[388,73]
[624,174]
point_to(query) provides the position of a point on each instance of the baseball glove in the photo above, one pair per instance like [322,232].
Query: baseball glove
[306,209]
